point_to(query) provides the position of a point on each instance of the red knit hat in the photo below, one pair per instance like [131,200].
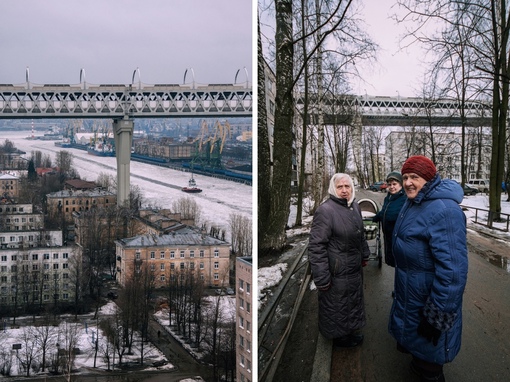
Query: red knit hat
[420,165]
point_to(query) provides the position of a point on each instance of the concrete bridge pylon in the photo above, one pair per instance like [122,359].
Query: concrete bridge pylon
[123,132]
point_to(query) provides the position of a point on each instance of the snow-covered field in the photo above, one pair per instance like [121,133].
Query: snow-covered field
[160,186]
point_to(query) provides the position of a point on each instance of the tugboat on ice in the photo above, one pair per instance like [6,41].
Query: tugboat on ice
[192,186]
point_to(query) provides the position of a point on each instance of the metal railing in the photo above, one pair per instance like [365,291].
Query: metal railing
[482,217]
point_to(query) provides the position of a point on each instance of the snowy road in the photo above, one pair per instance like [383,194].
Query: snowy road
[160,186]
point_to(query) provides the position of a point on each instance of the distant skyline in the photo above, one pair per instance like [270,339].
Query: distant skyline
[111,39]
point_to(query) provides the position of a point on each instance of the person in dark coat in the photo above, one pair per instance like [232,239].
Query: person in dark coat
[431,265]
[337,252]
[388,214]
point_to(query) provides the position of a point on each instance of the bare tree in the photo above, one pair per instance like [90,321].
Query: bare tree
[188,208]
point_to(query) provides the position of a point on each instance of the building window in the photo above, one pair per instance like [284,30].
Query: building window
[46,256]
[35,267]
[65,275]
[153,255]
[162,266]
[247,306]
[201,265]
[55,256]
[216,253]
[65,296]
[241,303]
[35,256]
[172,254]
[216,265]
[201,253]
[55,266]
[241,284]
[182,265]
[182,254]
[172,266]
[153,267]
[46,266]
[162,254]
[192,254]
[216,276]
[191,265]
[247,287]
[162,278]
[4,258]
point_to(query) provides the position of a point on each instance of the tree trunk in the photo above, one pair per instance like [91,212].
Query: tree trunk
[272,236]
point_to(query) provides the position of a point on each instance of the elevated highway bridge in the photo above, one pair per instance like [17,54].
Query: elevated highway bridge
[123,104]
[400,111]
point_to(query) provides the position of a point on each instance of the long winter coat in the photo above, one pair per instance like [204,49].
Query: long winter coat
[429,244]
[336,248]
[388,216]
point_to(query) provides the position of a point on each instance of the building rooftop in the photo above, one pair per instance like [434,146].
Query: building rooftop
[80,193]
[184,236]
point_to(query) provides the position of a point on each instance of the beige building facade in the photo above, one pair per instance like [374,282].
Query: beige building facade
[169,255]
[69,201]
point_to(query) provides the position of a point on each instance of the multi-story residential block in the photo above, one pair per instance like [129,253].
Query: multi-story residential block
[172,254]
[244,315]
[19,217]
[9,186]
[36,276]
[64,203]
[447,147]
[21,228]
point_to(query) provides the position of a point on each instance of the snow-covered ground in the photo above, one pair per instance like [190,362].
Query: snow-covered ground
[160,186]
[86,333]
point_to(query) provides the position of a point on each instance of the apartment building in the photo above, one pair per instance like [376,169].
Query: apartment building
[172,254]
[36,276]
[244,314]
[68,201]
[447,149]
[9,186]
[34,265]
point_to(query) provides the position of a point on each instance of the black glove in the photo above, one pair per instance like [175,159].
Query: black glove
[425,329]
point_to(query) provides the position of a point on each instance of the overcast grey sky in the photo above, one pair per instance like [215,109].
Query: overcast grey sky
[397,72]
[109,39]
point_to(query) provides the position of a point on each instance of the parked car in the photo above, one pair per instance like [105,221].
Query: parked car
[378,186]
[481,184]
[468,190]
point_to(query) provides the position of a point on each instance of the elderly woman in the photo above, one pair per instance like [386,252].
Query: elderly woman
[430,249]
[389,213]
[337,252]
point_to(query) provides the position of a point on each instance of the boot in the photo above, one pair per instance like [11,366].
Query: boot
[425,375]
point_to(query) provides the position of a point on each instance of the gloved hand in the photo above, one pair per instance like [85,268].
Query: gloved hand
[425,329]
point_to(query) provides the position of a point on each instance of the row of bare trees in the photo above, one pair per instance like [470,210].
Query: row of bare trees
[314,47]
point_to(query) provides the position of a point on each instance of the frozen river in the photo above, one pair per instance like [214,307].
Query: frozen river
[160,186]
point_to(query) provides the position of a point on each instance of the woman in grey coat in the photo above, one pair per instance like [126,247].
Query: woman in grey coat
[337,252]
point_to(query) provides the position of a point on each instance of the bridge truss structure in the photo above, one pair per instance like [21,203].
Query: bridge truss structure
[402,111]
[119,101]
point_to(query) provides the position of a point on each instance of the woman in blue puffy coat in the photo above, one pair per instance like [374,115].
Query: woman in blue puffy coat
[389,213]
[431,265]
